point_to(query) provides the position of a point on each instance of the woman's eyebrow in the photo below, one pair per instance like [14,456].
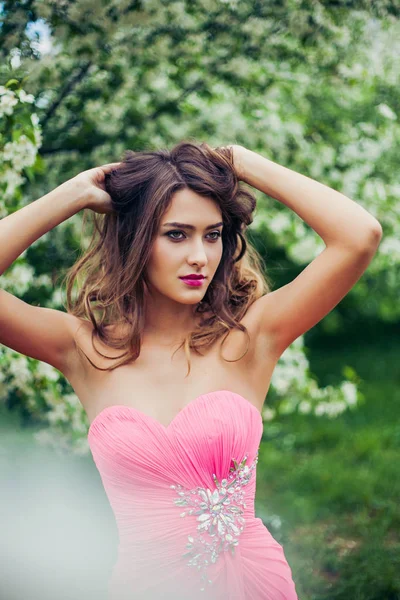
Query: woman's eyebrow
[186,226]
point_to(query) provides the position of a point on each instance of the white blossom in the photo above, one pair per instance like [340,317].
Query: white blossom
[349,390]
[20,278]
[280,222]
[305,407]
[24,97]
[7,101]
[268,413]
[45,370]
[387,112]
[20,370]
[21,153]
[390,245]
[58,413]
[320,409]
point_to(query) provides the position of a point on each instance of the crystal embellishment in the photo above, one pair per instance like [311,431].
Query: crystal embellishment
[219,515]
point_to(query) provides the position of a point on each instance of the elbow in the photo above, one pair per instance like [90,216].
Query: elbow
[378,230]
[362,238]
[372,237]
[376,233]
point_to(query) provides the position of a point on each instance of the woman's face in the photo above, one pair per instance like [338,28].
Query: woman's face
[179,251]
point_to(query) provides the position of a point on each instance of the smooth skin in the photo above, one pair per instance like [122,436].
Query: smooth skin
[42,333]
[180,251]
[275,320]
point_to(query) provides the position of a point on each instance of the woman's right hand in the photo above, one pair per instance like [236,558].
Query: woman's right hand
[93,180]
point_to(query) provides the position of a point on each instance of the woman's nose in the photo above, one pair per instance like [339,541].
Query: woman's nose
[198,255]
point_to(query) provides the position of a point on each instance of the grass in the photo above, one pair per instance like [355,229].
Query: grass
[335,483]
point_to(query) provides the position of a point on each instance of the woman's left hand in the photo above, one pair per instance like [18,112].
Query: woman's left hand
[237,161]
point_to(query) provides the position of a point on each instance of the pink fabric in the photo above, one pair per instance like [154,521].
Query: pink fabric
[139,459]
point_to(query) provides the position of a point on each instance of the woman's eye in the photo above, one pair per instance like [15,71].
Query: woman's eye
[171,232]
[216,233]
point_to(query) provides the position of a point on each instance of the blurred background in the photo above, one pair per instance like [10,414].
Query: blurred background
[311,85]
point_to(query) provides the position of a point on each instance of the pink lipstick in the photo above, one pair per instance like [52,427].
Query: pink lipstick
[193,279]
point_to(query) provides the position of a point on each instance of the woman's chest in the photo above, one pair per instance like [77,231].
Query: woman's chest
[157,382]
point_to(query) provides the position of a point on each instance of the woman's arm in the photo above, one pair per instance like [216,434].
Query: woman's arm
[336,218]
[44,333]
[41,333]
[351,234]
[23,227]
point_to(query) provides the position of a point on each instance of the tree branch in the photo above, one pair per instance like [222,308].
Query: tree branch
[65,92]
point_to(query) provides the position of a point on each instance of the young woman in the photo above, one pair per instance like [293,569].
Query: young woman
[170,343]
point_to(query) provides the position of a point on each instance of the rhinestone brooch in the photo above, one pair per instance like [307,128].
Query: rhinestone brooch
[219,514]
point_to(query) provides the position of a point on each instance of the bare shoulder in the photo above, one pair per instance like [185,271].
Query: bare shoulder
[258,364]
[81,331]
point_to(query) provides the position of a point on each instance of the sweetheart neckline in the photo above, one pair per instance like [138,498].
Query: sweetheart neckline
[165,428]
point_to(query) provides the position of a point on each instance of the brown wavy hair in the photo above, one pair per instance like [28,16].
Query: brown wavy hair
[111,271]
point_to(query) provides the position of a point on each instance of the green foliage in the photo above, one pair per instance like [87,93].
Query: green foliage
[334,483]
[311,86]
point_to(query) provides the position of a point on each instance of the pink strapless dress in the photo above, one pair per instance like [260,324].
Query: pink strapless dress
[183,499]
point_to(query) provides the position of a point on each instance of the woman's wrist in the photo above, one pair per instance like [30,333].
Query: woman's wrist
[80,192]
[238,158]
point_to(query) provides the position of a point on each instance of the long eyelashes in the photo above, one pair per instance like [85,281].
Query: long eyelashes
[178,239]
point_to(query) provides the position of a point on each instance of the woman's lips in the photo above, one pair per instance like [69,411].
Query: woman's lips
[193,282]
